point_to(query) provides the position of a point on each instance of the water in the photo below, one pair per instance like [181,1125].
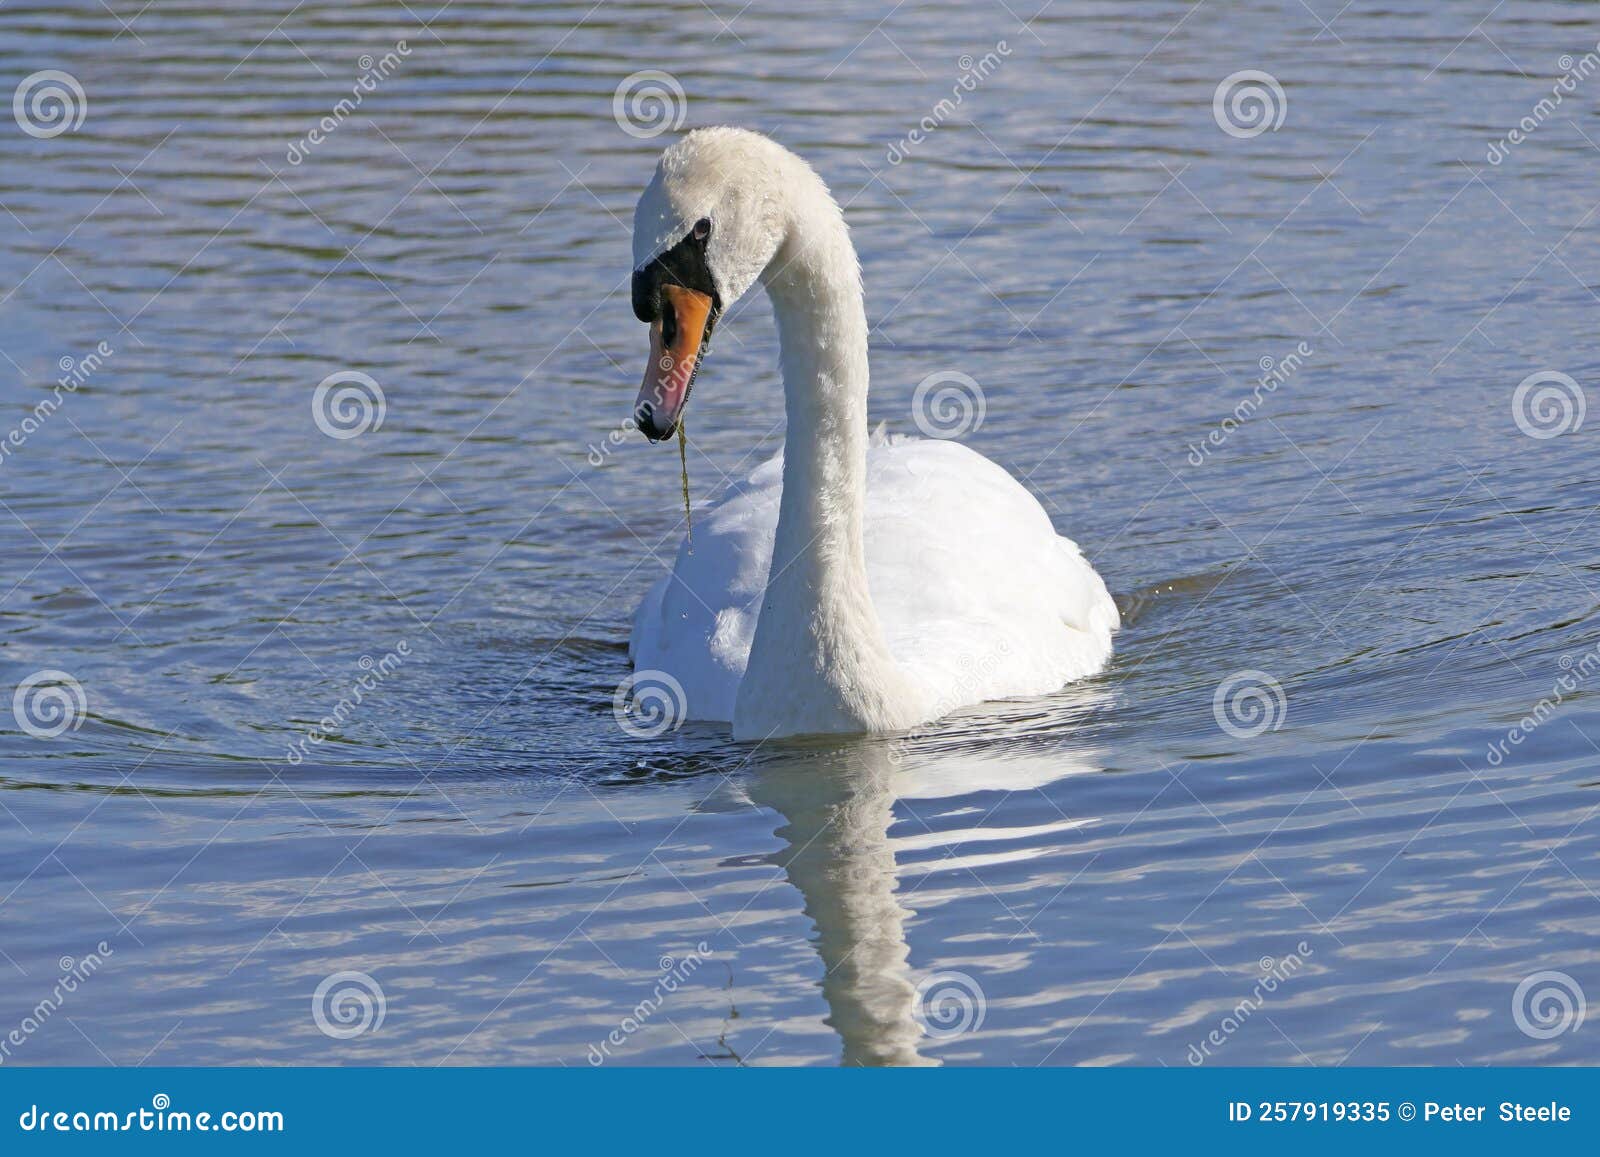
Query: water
[1112,872]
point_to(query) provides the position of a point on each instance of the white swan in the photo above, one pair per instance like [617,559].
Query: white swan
[852,583]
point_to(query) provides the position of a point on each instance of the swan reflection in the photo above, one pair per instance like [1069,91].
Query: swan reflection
[836,801]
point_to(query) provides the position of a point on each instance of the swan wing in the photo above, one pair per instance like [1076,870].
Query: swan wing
[696,623]
[979,597]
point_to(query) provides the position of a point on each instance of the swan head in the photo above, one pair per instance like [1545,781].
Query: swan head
[712,218]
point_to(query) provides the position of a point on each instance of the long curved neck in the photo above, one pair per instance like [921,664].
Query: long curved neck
[822,335]
[818,661]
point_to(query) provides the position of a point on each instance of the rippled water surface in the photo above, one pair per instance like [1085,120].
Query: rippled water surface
[1365,869]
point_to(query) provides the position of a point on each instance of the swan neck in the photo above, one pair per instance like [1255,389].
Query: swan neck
[818,659]
[822,334]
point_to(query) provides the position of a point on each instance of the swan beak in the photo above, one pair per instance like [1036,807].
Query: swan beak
[675,343]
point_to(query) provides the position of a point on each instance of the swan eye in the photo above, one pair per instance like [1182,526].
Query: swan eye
[702,229]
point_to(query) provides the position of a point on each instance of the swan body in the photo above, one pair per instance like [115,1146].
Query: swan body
[851,583]
[977,596]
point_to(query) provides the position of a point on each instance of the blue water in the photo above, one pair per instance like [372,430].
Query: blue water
[1111,873]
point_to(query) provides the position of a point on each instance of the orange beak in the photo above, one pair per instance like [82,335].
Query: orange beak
[675,345]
